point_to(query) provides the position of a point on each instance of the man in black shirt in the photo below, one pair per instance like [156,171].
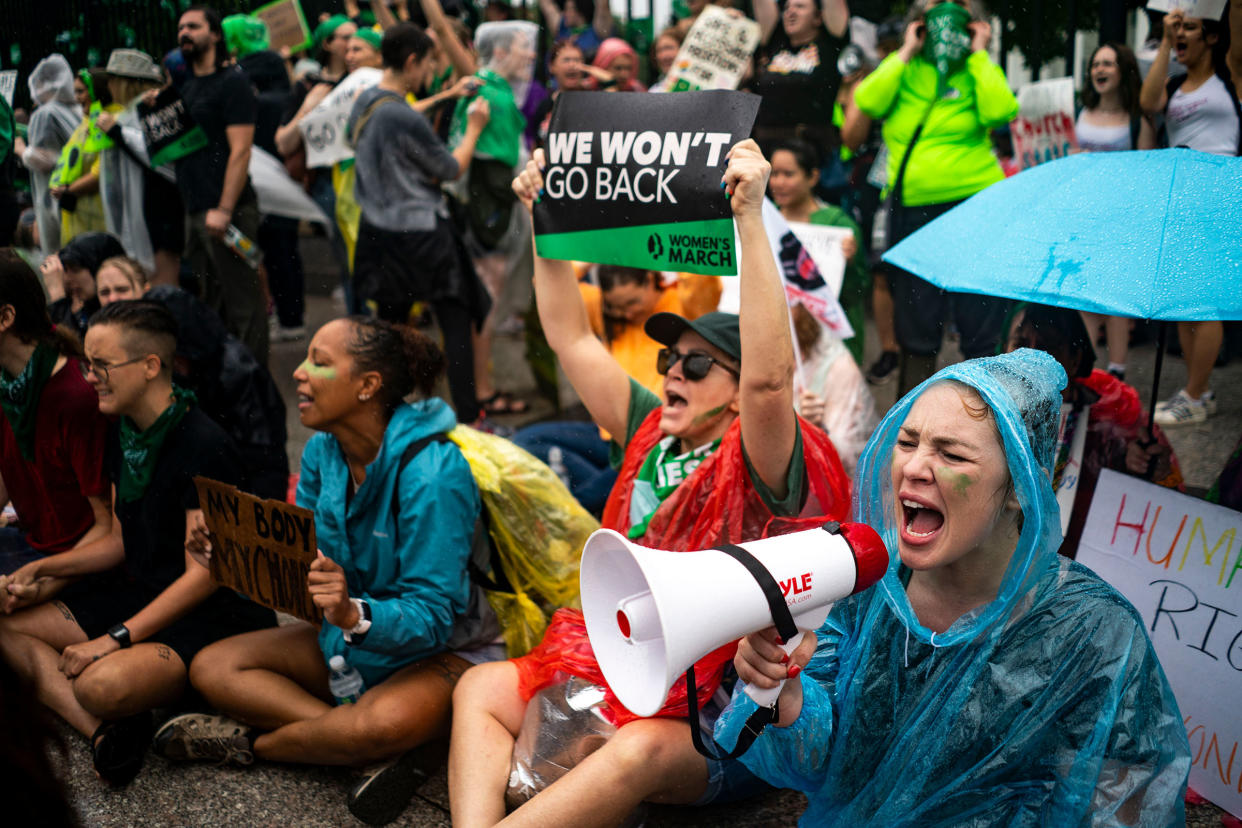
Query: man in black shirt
[215,181]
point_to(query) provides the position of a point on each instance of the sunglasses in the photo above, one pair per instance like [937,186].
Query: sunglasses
[694,365]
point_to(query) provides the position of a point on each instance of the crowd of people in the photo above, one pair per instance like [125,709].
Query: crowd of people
[145,278]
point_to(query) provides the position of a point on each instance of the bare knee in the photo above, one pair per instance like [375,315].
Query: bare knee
[392,725]
[489,688]
[105,690]
[648,747]
[214,666]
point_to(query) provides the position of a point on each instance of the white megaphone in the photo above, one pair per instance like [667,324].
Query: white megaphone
[651,613]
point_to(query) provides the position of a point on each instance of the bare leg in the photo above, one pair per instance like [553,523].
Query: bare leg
[1200,346]
[1117,329]
[31,641]
[407,709]
[650,759]
[130,681]
[487,714]
[882,307]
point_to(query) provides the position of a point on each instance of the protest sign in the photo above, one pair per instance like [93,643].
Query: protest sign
[1177,559]
[169,129]
[260,548]
[286,25]
[635,180]
[715,52]
[823,243]
[8,83]
[1044,128]
[1205,9]
[323,128]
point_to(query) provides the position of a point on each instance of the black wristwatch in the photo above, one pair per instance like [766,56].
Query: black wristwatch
[120,634]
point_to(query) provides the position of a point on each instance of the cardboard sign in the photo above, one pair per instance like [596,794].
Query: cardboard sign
[1044,128]
[286,25]
[715,52]
[170,131]
[8,83]
[823,243]
[1179,562]
[260,548]
[323,128]
[635,180]
[1205,9]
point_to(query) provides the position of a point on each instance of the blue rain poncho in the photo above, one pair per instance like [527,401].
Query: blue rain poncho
[1045,707]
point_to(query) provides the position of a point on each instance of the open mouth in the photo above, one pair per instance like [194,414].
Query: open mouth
[674,400]
[920,521]
[304,401]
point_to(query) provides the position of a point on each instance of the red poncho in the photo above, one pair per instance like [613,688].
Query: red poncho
[716,504]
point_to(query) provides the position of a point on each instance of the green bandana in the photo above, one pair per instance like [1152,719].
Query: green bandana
[141,449]
[659,476]
[948,41]
[19,396]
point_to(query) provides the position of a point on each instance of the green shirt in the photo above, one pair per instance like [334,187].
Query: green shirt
[643,402]
[953,157]
[501,138]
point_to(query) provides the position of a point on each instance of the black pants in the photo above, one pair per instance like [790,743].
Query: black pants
[920,308]
[278,236]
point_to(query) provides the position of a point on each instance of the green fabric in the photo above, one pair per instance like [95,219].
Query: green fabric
[325,29]
[948,40]
[857,282]
[439,81]
[141,449]
[19,396]
[372,37]
[953,157]
[8,126]
[659,476]
[643,402]
[245,34]
[501,139]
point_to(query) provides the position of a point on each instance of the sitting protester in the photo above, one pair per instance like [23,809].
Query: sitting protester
[394,533]
[74,267]
[119,279]
[1114,434]
[119,641]
[51,439]
[720,459]
[986,680]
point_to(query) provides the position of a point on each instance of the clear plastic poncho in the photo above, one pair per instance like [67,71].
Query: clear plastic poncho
[1046,706]
[55,116]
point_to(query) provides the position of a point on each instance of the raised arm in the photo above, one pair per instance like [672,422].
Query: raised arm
[383,15]
[1154,95]
[551,16]
[769,425]
[602,23]
[601,383]
[1234,58]
[836,14]
[767,15]
[463,62]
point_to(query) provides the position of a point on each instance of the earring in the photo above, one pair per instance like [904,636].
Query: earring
[363,397]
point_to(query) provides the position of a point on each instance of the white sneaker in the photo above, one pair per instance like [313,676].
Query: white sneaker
[283,334]
[1208,399]
[1181,409]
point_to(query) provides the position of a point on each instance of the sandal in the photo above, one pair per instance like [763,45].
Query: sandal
[502,403]
[119,747]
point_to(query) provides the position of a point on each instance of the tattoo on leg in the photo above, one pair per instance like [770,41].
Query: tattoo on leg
[164,651]
[64,610]
[449,669]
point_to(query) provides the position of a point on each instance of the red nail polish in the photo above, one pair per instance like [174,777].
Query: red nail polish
[794,670]
[784,659]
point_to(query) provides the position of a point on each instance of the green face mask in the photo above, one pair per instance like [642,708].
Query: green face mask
[948,40]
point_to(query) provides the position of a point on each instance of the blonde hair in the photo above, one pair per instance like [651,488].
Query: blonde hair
[126,89]
[138,277]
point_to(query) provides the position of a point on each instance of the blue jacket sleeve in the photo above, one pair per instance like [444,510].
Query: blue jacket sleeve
[438,507]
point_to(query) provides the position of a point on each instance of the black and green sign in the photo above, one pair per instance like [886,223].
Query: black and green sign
[170,131]
[635,180]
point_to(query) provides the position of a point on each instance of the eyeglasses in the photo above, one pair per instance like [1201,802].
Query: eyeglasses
[101,369]
[694,365]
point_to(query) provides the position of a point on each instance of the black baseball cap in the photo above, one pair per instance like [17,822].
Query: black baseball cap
[719,328]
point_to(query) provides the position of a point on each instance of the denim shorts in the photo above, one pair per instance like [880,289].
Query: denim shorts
[729,780]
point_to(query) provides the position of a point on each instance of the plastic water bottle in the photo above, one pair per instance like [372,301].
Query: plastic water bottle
[556,462]
[345,683]
[243,246]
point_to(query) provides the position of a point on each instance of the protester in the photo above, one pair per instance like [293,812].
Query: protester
[1117,432]
[53,121]
[664,51]
[75,267]
[938,154]
[75,181]
[985,678]
[407,250]
[565,65]
[586,22]
[1201,112]
[797,70]
[215,181]
[395,609]
[120,279]
[51,437]
[118,642]
[727,384]
[614,68]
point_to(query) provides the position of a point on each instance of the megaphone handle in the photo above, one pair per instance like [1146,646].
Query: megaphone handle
[763,696]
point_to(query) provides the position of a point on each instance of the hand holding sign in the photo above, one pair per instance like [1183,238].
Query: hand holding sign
[330,593]
[746,179]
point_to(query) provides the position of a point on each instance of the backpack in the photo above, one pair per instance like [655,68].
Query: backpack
[528,538]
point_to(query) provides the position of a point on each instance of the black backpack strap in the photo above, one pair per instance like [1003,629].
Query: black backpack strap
[1136,127]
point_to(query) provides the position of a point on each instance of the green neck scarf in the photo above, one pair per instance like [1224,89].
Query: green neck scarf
[19,396]
[141,449]
[659,476]
[948,41]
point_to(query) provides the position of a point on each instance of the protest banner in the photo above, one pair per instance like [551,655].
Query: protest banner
[715,52]
[260,548]
[1177,559]
[635,180]
[1205,9]
[8,84]
[286,25]
[823,243]
[1044,128]
[169,129]
[323,128]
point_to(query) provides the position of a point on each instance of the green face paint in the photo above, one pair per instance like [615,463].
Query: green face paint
[322,372]
[960,480]
[706,416]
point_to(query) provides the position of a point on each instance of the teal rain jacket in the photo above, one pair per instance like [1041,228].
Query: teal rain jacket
[1045,707]
[410,568]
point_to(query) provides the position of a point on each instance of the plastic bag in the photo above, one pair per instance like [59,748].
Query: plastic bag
[538,529]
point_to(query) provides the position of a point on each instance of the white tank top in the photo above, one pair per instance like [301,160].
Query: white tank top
[1094,138]
[1204,119]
